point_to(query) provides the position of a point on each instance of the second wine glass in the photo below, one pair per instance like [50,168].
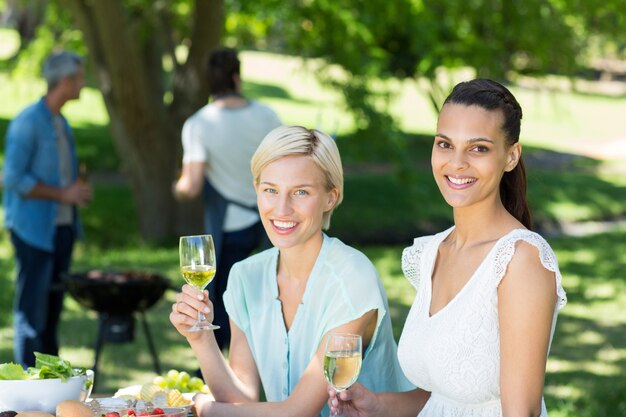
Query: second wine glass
[342,360]
[197,265]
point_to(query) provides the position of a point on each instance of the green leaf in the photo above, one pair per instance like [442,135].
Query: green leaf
[12,371]
[46,367]
[51,366]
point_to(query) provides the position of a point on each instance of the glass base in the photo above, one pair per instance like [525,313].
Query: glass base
[203,325]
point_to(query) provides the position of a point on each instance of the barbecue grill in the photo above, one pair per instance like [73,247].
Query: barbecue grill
[117,297]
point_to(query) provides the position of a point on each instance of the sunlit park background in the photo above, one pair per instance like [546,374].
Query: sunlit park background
[370,73]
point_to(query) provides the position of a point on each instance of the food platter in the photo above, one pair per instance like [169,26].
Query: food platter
[161,397]
[54,386]
[114,407]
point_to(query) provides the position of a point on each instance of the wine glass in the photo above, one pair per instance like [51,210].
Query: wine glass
[197,265]
[342,360]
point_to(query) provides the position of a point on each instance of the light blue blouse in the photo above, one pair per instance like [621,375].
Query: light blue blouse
[343,286]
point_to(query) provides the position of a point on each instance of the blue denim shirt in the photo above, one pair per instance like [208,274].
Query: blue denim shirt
[31,157]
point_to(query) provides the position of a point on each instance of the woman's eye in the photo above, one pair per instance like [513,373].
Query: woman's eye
[481,149]
[300,192]
[442,144]
[270,190]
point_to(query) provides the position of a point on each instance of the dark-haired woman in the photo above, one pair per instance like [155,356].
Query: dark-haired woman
[488,289]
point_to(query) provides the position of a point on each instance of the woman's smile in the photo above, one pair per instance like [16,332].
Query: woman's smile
[284,227]
[460,182]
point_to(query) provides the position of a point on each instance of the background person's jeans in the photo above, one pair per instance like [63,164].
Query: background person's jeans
[39,295]
[236,246]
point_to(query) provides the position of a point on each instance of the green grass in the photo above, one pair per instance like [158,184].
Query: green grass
[585,371]
[381,214]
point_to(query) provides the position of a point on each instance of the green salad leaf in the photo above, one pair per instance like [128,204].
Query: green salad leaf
[46,367]
[52,366]
[12,371]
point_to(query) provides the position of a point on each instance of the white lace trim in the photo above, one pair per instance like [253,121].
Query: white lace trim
[547,257]
[411,258]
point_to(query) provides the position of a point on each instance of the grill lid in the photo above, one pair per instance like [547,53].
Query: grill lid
[116,292]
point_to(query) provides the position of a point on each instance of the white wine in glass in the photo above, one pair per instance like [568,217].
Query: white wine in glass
[197,265]
[342,360]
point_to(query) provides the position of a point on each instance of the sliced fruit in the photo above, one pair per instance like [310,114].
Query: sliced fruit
[148,391]
[176,399]
[159,399]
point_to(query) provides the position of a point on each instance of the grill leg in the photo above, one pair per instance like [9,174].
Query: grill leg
[155,359]
[99,343]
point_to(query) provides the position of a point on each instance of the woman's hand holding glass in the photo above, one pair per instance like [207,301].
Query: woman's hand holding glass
[197,265]
[342,360]
[355,402]
[188,304]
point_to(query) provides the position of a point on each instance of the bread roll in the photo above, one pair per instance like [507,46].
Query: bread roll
[33,414]
[73,408]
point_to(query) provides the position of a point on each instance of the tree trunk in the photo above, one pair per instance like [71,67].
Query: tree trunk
[146,132]
[191,86]
[26,16]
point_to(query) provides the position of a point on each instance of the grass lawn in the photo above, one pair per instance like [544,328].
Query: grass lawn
[380,214]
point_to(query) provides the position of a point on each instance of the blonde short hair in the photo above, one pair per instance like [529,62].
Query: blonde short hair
[297,140]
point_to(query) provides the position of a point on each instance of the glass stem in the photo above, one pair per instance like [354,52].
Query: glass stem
[201,316]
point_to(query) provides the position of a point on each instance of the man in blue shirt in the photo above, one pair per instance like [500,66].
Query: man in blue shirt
[41,193]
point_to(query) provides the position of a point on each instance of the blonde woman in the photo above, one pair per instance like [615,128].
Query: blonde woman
[283,302]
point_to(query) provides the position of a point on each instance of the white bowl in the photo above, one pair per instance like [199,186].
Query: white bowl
[43,394]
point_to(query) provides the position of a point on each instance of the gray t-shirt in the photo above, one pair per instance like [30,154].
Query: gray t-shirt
[225,139]
[64,211]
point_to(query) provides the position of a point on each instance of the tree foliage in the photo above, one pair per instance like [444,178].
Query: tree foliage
[416,38]
[147,57]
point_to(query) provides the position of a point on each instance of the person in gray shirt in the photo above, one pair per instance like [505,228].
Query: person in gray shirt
[218,143]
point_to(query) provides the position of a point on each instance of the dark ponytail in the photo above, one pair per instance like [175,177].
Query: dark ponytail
[491,95]
[513,194]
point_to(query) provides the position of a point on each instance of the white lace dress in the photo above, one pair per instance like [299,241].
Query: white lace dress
[455,354]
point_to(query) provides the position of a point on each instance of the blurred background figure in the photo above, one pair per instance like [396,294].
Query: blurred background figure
[218,143]
[41,195]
